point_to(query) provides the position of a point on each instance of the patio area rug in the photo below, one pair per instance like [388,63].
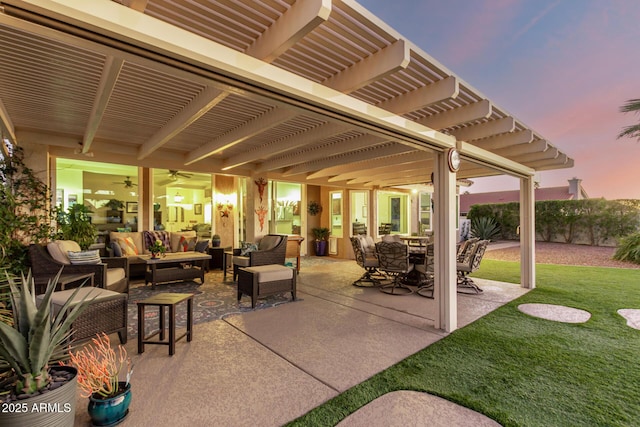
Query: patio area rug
[213,300]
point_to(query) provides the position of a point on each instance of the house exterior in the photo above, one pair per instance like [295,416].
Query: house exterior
[235,116]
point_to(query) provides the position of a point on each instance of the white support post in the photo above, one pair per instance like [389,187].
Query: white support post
[145,199]
[527,233]
[445,245]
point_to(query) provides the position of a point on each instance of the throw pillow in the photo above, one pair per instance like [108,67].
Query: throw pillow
[84,257]
[247,247]
[187,244]
[127,246]
[151,236]
[115,247]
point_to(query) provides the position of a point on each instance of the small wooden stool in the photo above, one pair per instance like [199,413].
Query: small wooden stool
[165,300]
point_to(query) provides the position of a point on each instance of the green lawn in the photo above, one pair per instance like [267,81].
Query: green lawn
[525,371]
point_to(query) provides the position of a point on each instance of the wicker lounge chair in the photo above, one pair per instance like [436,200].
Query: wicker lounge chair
[272,249]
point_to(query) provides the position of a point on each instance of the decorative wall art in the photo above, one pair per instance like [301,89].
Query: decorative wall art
[262,184]
[262,214]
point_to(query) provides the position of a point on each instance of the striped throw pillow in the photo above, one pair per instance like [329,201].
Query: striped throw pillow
[84,257]
[127,246]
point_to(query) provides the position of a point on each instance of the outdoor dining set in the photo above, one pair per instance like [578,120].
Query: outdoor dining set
[397,264]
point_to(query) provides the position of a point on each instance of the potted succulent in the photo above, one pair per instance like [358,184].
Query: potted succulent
[99,367]
[29,350]
[321,235]
[215,240]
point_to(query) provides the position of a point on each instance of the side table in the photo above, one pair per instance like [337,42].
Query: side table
[217,258]
[163,300]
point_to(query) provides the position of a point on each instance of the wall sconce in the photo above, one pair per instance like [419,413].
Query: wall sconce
[178,198]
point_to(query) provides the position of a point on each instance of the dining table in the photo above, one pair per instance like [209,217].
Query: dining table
[418,250]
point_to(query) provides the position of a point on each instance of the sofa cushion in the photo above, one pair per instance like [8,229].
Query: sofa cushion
[127,246]
[269,242]
[114,275]
[175,238]
[84,257]
[150,237]
[58,249]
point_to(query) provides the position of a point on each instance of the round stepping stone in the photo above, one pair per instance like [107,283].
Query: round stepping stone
[632,315]
[412,408]
[557,313]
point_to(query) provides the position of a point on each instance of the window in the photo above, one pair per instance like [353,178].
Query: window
[393,212]
[336,213]
[424,213]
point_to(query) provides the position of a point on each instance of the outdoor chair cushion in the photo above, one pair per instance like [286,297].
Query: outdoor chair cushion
[59,249]
[391,238]
[268,242]
[271,272]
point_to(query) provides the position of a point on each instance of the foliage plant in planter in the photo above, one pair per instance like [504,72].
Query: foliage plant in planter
[116,205]
[321,235]
[24,209]
[29,347]
[99,367]
[75,224]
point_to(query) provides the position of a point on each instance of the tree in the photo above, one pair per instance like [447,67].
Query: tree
[633,131]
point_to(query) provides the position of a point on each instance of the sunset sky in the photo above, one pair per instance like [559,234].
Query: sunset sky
[562,67]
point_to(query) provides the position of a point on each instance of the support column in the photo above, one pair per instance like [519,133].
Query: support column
[445,245]
[145,199]
[527,233]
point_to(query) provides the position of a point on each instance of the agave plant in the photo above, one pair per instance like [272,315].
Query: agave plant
[484,228]
[36,337]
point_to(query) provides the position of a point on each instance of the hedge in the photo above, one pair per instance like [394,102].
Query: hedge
[590,221]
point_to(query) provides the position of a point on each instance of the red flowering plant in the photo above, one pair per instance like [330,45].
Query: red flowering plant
[99,367]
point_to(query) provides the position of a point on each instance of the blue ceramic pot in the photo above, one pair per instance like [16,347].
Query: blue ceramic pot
[110,411]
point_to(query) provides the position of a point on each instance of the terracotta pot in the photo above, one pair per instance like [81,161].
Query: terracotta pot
[112,410]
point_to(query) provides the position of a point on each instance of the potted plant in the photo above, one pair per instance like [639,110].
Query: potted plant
[75,224]
[215,240]
[115,204]
[321,235]
[99,367]
[158,248]
[30,348]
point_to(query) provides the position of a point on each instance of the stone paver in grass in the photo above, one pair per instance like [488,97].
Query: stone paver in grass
[404,408]
[557,313]
[632,315]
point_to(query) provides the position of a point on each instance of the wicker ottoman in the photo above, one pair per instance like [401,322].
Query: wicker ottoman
[263,280]
[107,312]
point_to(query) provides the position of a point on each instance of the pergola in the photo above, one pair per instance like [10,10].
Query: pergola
[315,91]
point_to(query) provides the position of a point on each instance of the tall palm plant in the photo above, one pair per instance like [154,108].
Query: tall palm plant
[633,131]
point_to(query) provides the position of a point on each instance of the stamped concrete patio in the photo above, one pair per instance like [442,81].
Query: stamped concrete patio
[268,367]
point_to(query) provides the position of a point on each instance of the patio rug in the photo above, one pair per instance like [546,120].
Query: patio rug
[213,300]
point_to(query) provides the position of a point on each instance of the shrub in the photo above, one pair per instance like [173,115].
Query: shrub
[484,228]
[629,249]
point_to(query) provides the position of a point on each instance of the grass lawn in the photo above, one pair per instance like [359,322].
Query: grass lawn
[524,371]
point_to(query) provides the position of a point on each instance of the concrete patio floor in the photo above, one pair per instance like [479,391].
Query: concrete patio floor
[268,367]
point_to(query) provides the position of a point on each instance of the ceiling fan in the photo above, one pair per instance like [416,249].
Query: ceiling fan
[175,174]
[127,182]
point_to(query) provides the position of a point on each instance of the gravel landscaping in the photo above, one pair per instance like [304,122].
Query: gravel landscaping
[564,253]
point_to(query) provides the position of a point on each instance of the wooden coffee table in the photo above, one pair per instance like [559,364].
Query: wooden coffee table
[172,267]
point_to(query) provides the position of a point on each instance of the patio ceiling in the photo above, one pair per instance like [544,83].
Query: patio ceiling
[328,93]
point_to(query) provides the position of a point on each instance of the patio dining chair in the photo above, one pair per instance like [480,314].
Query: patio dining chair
[364,250]
[426,270]
[469,263]
[393,260]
